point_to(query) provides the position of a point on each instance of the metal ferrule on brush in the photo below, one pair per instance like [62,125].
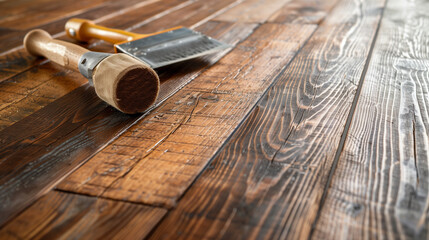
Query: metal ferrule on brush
[89,61]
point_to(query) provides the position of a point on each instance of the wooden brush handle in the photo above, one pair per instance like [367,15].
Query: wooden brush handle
[39,43]
[84,30]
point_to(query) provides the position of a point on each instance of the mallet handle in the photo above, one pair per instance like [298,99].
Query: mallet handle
[84,30]
[39,43]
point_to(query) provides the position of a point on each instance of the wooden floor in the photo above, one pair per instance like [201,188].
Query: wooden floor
[314,125]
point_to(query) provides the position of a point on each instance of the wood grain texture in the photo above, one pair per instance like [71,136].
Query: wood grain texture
[303,12]
[380,189]
[31,88]
[105,10]
[135,17]
[157,16]
[268,180]
[69,216]
[70,130]
[17,60]
[253,11]
[24,14]
[158,159]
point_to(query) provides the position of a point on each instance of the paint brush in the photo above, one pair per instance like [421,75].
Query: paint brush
[125,83]
[156,49]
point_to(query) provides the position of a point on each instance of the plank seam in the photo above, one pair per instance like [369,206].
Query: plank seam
[184,120]
[346,127]
[106,198]
[248,114]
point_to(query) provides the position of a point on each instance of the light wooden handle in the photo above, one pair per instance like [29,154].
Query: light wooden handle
[39,43]
[84,30]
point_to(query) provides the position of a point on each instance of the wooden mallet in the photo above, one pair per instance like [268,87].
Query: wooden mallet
[122,81]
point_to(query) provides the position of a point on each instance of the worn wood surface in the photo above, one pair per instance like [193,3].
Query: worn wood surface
[380,188]
[69,216]
[224,101]
[311,126]
[146,18]
[269,178]
[302,12]
[70,130]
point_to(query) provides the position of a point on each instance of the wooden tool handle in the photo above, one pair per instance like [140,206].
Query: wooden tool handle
[39,43]
[84,30]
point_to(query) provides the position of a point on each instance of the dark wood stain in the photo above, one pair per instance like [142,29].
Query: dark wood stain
[18,63]
[71,216]
[298,131]
[64,134]
[268,179]
[198,119]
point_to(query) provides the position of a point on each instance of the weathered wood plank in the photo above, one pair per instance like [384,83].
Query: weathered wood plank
[23,14]
[61,136]
[135,16]
[268,180]
[158,159]
[303,12]
[12,39]
[18,60]
[381,186]
[69,216]
[159,14]
[32,90]
[252,11]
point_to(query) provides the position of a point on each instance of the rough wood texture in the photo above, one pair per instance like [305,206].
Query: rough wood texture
[64,134]
[145,18]
[303,12]
[30,14]
[219,102]
[69,216]
[12,39]
[296,132]
[28,82]
[253,11]
[268,180]
[381,185]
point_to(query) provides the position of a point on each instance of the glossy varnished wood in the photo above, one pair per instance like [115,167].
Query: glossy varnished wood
[381,185]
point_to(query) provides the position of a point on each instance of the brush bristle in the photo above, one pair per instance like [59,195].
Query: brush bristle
[126,83]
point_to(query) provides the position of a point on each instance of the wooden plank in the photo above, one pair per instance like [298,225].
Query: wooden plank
[252,11]
[12,39]
[61,136]
[32,90]
[76,80]
[381,185]
[69,216]
[15,61]
[158,159]
[267,181]
[303,12]
[189,14]
[158,14]
[23,14]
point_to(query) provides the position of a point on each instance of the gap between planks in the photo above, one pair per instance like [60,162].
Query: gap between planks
[192,212]
[344,135]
